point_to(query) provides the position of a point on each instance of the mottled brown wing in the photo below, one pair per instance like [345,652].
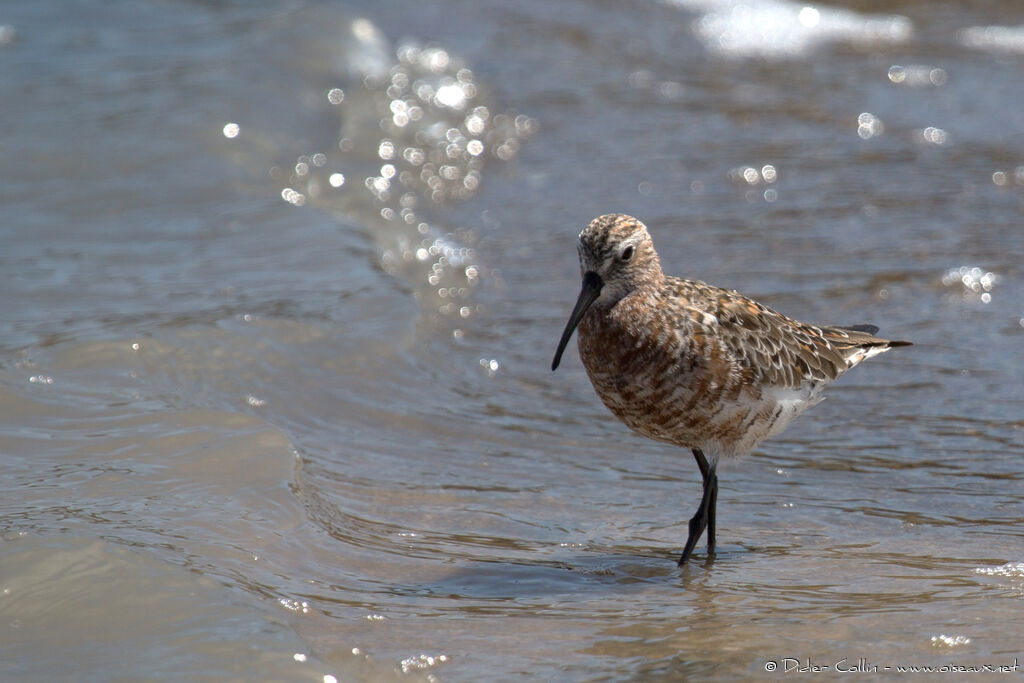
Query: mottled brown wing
[771,348]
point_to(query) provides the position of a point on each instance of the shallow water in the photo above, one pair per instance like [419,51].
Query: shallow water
[275,396]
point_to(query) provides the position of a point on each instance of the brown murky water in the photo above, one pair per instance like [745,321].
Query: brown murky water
[281,287]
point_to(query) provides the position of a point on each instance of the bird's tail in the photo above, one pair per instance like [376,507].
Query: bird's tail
[858,342]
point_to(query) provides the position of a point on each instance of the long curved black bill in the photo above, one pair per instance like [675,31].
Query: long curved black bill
[592,285]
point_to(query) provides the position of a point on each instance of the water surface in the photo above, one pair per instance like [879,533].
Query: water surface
[281,290]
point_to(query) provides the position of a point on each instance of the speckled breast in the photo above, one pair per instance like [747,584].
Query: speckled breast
[642,376]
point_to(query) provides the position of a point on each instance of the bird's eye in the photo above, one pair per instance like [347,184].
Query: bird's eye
[627,253]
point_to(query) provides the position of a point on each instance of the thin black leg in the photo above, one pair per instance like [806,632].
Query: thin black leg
[705,470]
[702,463]
[705,515]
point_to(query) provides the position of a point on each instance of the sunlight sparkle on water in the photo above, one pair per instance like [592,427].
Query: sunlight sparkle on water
[295,605]
[751,175]
[293,197]
[967,281]
[1007,178]
[779,28]
[993,38]
[932,135]
[437,133]
[451,95]
[809,17]
[1011,569]
[950,641]
[917,75]
[869,126]
[422,662]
